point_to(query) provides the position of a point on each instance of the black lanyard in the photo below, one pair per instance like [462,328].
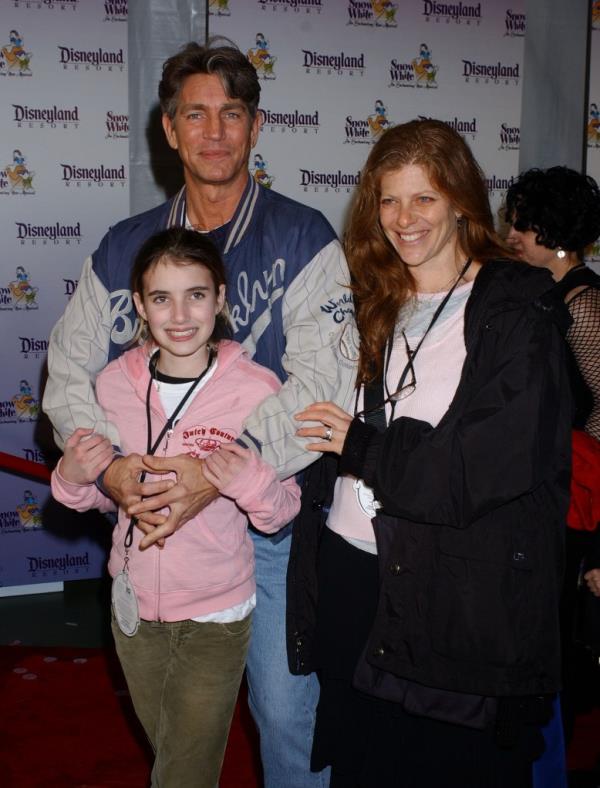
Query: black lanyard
[150,447]
[374,411]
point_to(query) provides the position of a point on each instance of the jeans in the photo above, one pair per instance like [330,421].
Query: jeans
[283,706]
[550,769]
[183,678]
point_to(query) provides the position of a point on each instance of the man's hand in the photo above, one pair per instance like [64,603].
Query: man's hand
[122,484]
[188,497]
[86,455]
[592,578]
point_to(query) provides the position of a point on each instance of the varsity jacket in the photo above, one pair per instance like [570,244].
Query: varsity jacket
[289,303]
[208,565]
[470,532]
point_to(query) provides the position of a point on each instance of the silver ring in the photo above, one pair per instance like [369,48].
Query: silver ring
[328,434]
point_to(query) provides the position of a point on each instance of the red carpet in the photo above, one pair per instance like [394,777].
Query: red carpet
[67,722]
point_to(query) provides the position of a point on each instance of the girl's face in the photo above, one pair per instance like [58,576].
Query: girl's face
[180,304]
[417,219]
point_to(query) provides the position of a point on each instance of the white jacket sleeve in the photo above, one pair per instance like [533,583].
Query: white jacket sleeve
[77,352]
[320,359]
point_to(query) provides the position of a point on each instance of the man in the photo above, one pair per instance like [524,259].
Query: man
[287,289]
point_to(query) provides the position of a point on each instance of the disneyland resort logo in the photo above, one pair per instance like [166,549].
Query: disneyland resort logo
[510,137]
[19,294]
[334,181]
[487,73]
[74,175]
[41,117]
[52,5]
[15,60]
[26,516]
[468,127]
[290,121]
[367,130]
[117,126]
[372,13]
[261,58]
[496,183]
[315,62]
[29,234]
[88,59]
[259,172]
[32,347]
[70,287]
[21,407]
[61,565]
[459,13]
[419,73]
[295,6]
[17,178]
[115,11]
[514,24]
[593,127]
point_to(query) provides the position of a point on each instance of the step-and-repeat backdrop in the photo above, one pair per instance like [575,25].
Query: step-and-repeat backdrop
[334,75]
[63,181]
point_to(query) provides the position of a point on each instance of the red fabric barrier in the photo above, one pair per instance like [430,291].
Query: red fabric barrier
[35,470]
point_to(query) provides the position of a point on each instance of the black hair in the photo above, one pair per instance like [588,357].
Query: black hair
[561,206]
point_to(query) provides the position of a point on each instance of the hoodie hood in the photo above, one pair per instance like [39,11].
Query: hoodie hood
[134,363]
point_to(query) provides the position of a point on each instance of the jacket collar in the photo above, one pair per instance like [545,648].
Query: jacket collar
[237,226]
[134,363]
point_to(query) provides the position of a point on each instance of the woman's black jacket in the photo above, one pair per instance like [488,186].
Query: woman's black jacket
[470,533]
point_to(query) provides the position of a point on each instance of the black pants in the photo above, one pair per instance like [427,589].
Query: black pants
[371,743]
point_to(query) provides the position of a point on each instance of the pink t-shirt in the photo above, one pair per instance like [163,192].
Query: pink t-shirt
[438,366]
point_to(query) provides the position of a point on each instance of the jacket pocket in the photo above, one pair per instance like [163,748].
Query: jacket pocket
[481,600]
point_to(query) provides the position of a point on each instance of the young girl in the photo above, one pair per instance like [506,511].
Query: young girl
[181,614]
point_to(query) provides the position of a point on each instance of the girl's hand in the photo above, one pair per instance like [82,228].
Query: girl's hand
[224,464]
[86,455]
[332,429]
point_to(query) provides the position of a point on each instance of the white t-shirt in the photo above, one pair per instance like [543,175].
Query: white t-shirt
[171,395]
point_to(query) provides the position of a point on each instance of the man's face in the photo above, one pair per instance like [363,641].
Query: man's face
[212,133]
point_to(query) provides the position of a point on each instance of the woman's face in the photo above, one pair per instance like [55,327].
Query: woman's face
[528,249]
[417,219]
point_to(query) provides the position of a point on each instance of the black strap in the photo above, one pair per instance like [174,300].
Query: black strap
[150,447]
[376,394]
[374,408]
[579,276]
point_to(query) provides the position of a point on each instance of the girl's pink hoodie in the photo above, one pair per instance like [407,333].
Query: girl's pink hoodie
[208,564]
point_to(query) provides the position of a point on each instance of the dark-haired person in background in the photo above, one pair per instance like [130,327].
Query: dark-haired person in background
[427,596]
[287,276]
[554,215]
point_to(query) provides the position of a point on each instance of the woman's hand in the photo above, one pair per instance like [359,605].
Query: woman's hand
[592,578]
[86,455]
[331,430]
